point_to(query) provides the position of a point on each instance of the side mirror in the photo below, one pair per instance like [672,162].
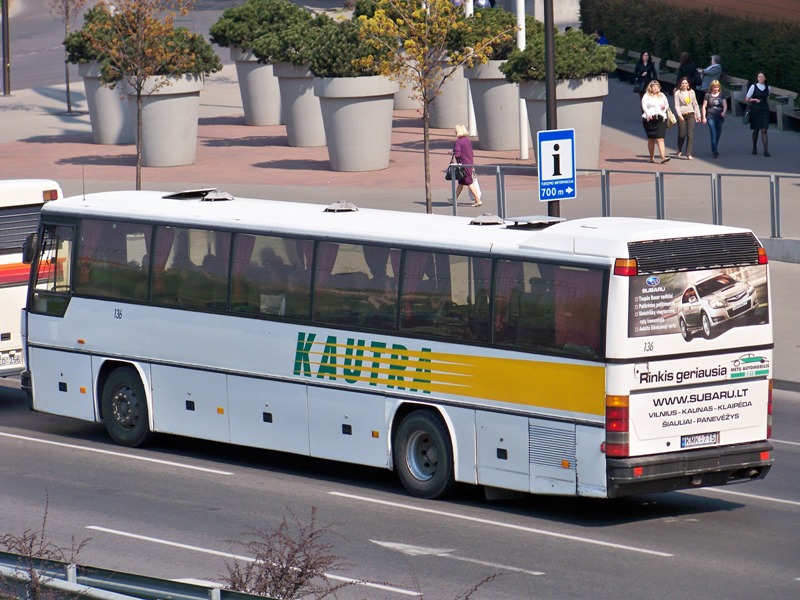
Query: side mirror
[29,248]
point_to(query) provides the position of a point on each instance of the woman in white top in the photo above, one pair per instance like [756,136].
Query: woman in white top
[758,99]
[654,119]
[687,111]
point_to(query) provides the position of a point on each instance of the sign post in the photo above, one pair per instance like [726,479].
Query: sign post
[556,160]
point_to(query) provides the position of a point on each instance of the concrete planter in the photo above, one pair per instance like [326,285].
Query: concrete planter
[258,86]
[579,106]
[301,111]
[108,108]
[450,108]
[357,113]
[169,120]
[496,105]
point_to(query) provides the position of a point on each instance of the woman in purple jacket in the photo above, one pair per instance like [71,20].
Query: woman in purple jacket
[464,154]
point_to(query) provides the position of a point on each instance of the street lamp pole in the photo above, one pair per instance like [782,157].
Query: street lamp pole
[6,51]
[553,207]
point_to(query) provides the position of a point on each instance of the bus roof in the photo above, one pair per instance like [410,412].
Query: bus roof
[27,192]
[599,237]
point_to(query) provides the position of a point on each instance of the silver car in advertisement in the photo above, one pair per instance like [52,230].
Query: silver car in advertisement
[714,301]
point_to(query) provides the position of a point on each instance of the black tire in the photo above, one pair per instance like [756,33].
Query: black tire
[707,331]
[687,335]
[124,404]
[423,455]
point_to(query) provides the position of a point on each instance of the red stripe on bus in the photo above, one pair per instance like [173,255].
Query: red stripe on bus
[15,273]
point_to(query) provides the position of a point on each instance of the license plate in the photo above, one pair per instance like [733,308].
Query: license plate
[741,304]
[700,439]
[7,359]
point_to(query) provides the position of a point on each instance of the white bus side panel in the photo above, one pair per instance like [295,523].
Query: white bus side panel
[66,390]
[189,402]
[268,414]
[503,451]
[341,426]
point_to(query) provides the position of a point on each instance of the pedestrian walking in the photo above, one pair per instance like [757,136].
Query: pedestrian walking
[643,73]
[466,156]
[654,120]
[758,105]
[712,72]
[687,111]
[714,108]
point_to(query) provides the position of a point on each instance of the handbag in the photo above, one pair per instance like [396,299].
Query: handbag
[746,116]
[671,119]
[638,87]
[459,172]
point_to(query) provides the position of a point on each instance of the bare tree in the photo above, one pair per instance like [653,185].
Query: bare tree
[66,10]
[33,546]
[288,563]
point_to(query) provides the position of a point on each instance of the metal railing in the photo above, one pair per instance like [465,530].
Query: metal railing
[66,580]
[714,184]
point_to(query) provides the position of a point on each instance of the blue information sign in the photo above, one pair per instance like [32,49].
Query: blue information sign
[556,164]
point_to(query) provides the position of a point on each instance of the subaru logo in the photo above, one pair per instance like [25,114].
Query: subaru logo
[651,281]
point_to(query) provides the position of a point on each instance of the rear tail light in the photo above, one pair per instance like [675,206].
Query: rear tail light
[48,195]
[626,267]
[617,426]
[762,256]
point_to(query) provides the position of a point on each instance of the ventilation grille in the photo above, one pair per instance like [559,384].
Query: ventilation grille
[16,224]
[695,253]
[550,447]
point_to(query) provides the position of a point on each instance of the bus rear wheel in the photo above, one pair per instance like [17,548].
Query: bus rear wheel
[423,455]
[124,404]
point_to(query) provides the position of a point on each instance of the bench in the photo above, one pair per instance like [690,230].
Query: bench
[668,74]
[782,103]
[625,69]
[737,90]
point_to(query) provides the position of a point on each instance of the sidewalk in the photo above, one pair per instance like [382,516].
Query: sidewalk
[38,140]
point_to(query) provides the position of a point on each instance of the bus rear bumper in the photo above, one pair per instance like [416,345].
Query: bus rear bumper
[688,470]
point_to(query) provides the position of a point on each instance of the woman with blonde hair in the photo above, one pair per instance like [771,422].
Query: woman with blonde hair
[462,150]
[714,108]
[687,111]
[654,119]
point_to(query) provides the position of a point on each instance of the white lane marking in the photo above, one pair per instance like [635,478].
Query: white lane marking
[118,454]
[788,443]
[753,496]
[145,538]
[448,553]
[450,515]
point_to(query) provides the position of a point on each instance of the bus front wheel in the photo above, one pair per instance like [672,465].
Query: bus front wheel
[125,408]
[423,455]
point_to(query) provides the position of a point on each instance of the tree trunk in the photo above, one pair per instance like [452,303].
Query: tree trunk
[426,150]
[139,136]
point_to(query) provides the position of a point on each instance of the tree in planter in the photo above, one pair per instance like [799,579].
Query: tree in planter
[580,68]
[66,10]
[429,31]
[138,41]
[577,55]
[240,26]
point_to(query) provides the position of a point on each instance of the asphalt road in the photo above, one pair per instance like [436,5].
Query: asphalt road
[738,542]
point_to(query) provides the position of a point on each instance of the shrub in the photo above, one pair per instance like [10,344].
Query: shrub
[337,51]
[577,55]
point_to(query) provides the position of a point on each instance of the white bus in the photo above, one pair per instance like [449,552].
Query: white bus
[20,203]
[593,357]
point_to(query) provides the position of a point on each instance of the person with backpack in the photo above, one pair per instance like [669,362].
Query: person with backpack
[758,105]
